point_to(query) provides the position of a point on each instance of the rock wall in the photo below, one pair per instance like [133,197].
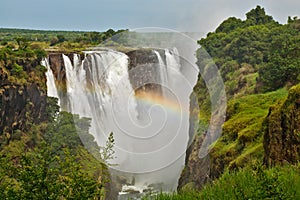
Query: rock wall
[57,65]
[144,68]
[21,104]
[282,130]
[197,170]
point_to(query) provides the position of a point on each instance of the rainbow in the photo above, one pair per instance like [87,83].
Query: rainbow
[150,98]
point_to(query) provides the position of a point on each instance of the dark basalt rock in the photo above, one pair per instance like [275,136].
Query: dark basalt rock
[197,170]
[57,65]
[144,70]
[21,104]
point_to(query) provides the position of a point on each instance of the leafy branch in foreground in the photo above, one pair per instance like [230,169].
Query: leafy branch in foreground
[107,152]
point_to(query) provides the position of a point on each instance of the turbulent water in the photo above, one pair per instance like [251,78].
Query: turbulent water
[151,129]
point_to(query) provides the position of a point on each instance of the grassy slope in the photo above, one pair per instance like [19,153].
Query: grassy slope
[241,146]
[255,183]
[242,136]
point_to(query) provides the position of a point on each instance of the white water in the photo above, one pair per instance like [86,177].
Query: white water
[151,148]
[51,87]
[163,73]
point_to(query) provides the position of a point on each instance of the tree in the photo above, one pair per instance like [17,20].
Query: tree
[53,41]
[258,16]
[107,152]
[22,43]
[52,109]
[61,38]
[41,174]
[229,25]
[283,60]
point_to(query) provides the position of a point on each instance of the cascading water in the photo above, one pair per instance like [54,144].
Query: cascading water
[151,148]
[163,72]
[51,88]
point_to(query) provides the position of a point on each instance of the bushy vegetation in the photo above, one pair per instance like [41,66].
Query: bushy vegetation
[256,48]
[69,41]
[49,161]
[254,56]
[258,60]
[248,183]
[20,63]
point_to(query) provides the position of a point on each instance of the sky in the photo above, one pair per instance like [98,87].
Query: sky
[99,15]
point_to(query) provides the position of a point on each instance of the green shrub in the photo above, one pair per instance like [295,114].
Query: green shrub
[17,69]
[250,183]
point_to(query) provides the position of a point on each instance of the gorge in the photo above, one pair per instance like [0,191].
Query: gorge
[142,97]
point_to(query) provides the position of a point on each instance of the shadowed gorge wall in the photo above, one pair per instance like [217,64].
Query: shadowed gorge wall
[21,103]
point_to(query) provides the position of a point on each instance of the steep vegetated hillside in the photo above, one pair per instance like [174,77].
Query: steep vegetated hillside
[259,61]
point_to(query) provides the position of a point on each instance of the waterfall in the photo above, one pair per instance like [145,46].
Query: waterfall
[51,87]
[151,148]
[93,91]
[163,73]
[172,59]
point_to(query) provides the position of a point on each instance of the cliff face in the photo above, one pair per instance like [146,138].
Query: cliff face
[282,130]
[197,170]
[144,68]
[21,102]
[58,67]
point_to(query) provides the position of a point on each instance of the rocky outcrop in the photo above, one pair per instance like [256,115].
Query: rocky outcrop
[282,130]
[144,71]
[197,170]
[57,65]
[21,105]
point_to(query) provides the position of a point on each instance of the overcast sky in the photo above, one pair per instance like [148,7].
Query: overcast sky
[99,15]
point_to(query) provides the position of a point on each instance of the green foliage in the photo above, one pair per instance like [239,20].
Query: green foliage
[107,152]
[255,55]
[68,41]
[17,69]
[250,183]
[49,161]
[255,184]
[242,135]
[258,16]
[22,65]
[40,53]
[284,63]
[22,43]
[57,39]
[229,25]
[259,42]
[61,38]
[42,175]
[63,132]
